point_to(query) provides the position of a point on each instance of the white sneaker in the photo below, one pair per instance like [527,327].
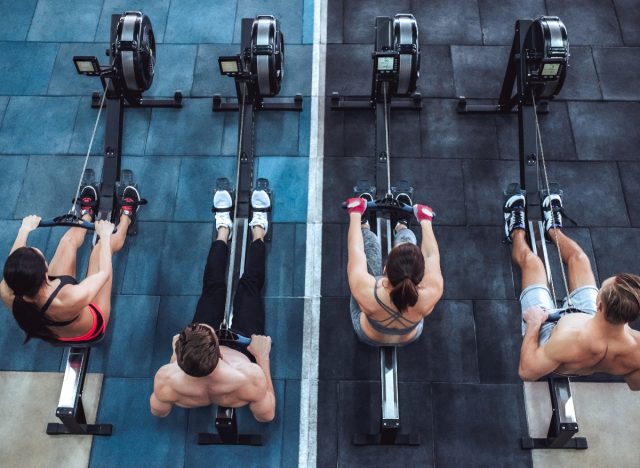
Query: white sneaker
[260,200]
[222,200]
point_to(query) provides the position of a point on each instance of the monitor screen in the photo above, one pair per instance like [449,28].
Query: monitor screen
[229,66]
[85,66]
[550,69]
[385,63]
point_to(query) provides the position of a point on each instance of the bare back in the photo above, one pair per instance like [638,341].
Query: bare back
[582,347]
[233,383]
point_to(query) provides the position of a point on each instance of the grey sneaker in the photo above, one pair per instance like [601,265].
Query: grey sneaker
[260,201]
[552,211]
[222,201]
[514,214]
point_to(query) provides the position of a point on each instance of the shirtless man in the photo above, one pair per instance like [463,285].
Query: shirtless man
[201,372]
[596,337]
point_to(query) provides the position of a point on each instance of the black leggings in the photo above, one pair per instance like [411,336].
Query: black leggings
[248,305]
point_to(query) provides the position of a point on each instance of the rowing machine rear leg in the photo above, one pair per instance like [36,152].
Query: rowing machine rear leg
[263,184]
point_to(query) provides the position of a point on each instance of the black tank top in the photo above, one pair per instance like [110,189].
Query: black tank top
[64,280]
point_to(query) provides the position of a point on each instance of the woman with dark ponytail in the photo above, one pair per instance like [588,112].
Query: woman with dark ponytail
[388,306]
[46,300]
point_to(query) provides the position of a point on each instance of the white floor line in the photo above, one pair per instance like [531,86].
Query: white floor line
[313,261]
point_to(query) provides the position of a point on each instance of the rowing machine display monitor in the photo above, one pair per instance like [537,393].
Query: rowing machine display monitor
[86,65]
[231,65]
[396,56]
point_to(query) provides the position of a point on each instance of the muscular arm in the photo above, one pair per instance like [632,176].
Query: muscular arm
[5,290]
[160,405]
[633,380]
[83,293]
[432,281]
[263,406]
[537,361]
[359,277]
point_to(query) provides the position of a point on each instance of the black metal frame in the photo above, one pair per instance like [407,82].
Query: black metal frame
[380,85]
[390,210]
[115,104]
[517,74]
[71,413]
[248,101]
[563,425]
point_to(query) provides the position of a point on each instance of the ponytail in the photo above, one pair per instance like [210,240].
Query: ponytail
[405,270]
[404,294]
[32,321]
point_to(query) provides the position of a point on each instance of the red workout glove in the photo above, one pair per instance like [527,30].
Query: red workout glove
[356,205]
[423,212]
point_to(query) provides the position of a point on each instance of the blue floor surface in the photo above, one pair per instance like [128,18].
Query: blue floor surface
[45,127]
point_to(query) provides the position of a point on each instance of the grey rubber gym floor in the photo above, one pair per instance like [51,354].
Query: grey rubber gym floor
[459,387]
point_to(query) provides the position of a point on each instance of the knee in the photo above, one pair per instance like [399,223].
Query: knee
[71,240]
[580,257]
[526,259]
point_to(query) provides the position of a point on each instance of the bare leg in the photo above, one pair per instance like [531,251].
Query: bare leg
[258,233]
[531,265]
[64,260]
[223,234]
[103,298]
[579,268]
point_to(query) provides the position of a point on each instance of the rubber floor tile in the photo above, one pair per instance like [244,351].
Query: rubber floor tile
[618,68]
[479,425]
[138,439]
[288,13]
[80,25]
[498,18]
[16,20]
[590,22]
[156,10]
[38,125]
[194,22]
[606,130]
[30,69]
[435,22]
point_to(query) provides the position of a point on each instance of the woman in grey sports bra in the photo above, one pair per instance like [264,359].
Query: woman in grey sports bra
[388,306]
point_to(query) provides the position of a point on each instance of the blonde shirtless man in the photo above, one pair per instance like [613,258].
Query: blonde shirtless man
[593,335]
[201,372]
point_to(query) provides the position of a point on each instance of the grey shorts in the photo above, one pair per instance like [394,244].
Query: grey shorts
[582,298]
[373,252]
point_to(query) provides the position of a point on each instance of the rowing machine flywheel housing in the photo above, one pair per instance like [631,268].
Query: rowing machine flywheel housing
[405,43]
[267,54]
[134,53]
[547,55]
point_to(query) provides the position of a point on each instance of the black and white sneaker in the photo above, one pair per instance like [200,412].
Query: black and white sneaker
[130,202]
[88,201]
[552,212]
[260,202]
[222,204]
[514,214]
[405,199]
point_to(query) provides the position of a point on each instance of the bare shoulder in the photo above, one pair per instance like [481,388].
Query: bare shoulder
[6,294]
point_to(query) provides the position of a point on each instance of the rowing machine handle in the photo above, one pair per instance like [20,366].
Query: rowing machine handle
[373,205]
[70,222]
